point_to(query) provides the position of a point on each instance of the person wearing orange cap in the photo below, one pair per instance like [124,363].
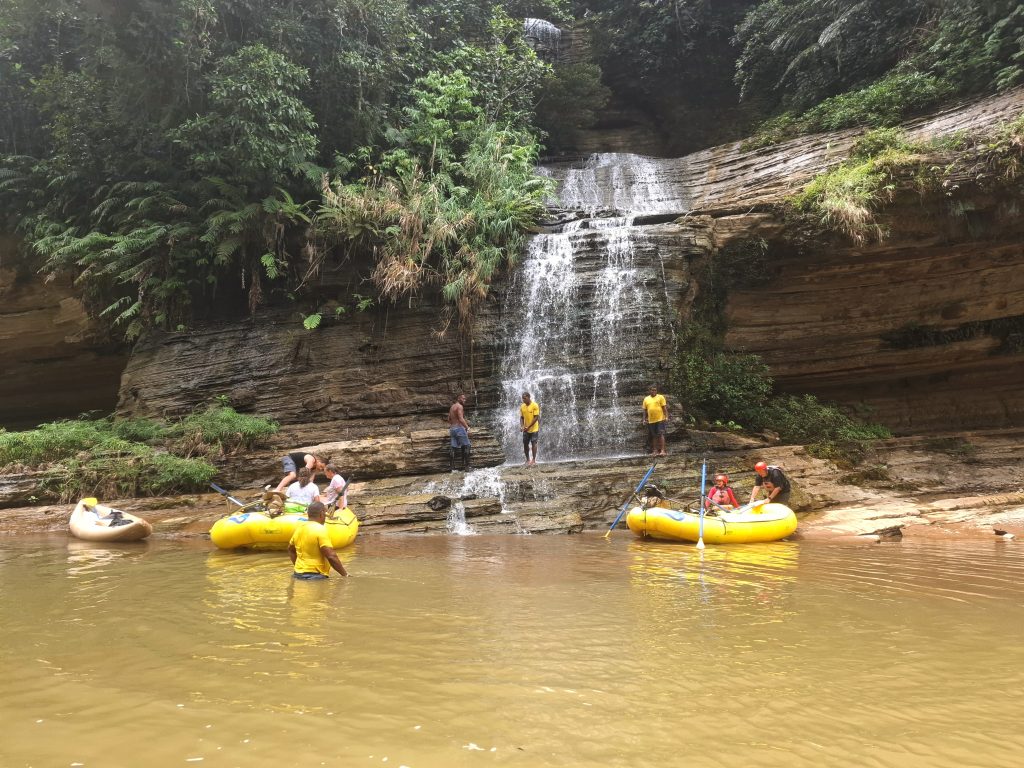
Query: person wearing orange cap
[721,494]
[774,482]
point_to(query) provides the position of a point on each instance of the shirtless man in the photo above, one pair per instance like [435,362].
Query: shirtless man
[458,430]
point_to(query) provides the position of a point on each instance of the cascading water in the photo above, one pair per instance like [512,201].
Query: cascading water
[544,37]
[577,327]
[588,314]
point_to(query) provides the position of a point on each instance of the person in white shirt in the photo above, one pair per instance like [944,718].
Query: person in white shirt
[304,490]
[335,493]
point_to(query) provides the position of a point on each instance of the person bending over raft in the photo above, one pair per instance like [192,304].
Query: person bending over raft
[303,490]
[310,547]
[721,494]
[774,481]
[335,493]
[291,463]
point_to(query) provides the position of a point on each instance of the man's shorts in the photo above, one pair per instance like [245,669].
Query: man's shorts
[289,465]
[460,439]
[530,437]
[657,428]
[309,576]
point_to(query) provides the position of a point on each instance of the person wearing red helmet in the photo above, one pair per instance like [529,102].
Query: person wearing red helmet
[774,482]
[721,494]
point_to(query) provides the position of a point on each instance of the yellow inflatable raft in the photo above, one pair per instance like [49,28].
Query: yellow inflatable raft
[767,522]
[256,530]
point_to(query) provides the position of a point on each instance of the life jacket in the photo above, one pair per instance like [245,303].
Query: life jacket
[722,496]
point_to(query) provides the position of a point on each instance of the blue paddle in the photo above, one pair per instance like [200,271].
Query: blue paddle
[629,498]
[703,483]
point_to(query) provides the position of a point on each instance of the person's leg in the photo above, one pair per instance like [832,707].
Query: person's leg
[526,446]
[533,444]
[451,458]
[661,438]
[465,459]
[290,473]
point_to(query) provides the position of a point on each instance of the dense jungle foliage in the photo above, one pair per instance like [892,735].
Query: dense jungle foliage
[181,156]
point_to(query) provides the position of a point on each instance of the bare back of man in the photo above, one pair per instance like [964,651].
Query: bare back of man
[458,431]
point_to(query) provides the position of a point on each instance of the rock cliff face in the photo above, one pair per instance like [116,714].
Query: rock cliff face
[55,363]
[920,330]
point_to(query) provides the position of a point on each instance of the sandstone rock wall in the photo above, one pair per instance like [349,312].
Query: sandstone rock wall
[55,365]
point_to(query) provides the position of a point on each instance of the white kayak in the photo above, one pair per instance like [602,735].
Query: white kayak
[93,521]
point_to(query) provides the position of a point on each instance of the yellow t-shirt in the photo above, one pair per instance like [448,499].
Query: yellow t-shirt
[655,408]
[307,539]
[528,412]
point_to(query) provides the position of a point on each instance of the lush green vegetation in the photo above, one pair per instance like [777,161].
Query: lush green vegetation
[129,457]
[172,155]
[831,64]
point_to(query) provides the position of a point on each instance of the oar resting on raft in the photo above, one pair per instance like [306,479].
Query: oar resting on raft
[630,498]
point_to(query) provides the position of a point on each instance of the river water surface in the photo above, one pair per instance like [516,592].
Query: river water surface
[513,651]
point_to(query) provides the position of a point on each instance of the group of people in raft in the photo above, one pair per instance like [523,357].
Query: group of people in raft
[310,547]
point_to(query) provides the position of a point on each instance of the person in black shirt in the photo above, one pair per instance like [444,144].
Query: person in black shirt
[774,481]
[295,461]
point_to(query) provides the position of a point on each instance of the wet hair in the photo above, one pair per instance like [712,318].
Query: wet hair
[316,509]
[303,475]
[526,394]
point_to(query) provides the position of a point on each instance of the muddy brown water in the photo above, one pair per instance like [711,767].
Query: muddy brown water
[513,650]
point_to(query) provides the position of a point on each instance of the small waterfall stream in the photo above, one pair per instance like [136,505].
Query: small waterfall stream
[588,315]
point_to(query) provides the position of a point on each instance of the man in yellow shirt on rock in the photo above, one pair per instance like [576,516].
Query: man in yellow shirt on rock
[529,423]
[656,419]
[310,547]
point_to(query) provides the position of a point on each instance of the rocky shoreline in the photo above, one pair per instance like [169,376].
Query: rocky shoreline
[951,486]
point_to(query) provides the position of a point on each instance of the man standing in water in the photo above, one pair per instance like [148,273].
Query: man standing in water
[310,547]
[656,419]
[529,423]
[458,430]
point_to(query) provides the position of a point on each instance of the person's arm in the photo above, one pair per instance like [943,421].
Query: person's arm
[462,418]
[732,498]
[522,421]
[645,412]
[292,553]
[664,407]
[332,557]
[534,420]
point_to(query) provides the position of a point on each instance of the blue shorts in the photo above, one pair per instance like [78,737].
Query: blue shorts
[288,464]
[657,428]
[309,576]
[460,438]
[530,437]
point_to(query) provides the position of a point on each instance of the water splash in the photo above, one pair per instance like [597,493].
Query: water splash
[479,483]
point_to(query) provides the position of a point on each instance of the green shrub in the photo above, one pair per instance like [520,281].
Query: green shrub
[225,428]
[847,197]
[804,419]
[50,442]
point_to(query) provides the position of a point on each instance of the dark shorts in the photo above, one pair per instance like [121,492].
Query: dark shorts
[309,576]
[288,464]
[782,497]
[459,437]
[530,437]
[657,428]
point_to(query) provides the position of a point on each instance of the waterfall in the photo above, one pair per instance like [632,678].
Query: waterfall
[544,37]
[585,318]
[589,315]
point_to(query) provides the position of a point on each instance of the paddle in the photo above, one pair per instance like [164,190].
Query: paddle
[226,495]
[703,488]
[630,497]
